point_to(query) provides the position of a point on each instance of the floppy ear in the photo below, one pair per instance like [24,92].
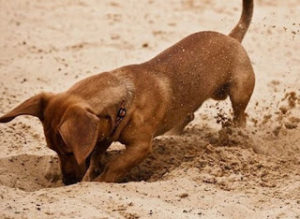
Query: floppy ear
[79,130]
[34,106]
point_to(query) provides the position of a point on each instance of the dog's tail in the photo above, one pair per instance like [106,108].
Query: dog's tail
[241,28]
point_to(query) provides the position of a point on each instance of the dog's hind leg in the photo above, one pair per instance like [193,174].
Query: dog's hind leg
[240,91]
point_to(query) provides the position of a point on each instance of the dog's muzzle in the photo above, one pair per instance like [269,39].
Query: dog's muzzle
[70,180]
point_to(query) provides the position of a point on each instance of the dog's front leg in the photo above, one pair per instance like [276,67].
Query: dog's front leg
[120,166]
[97,162]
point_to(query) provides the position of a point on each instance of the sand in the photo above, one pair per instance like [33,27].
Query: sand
[212,170]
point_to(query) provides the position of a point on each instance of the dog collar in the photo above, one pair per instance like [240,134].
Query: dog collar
[120,116]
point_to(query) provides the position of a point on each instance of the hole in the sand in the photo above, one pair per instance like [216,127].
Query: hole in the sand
[30,172]
[169,153]
[172,152]
[33,172]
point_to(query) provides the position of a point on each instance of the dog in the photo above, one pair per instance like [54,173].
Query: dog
[135,103]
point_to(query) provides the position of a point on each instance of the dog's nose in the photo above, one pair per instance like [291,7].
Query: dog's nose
[70,180]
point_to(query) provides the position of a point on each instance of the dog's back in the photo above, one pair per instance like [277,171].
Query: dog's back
[204,65]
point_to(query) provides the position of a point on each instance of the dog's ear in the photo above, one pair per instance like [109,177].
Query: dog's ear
[79,130]
[34,106]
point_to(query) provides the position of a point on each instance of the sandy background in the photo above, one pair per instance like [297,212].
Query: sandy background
[209,172]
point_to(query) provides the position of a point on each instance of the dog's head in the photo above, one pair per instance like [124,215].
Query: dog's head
[71,129]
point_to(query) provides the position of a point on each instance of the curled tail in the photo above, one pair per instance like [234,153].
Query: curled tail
[241,28]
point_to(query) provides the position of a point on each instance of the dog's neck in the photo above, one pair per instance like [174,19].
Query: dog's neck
[119,103]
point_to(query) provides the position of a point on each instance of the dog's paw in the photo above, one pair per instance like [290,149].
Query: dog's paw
[86,178]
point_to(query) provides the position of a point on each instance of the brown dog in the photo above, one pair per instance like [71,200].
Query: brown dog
[135,103]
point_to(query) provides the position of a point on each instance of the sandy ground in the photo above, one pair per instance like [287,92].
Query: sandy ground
[209,171]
